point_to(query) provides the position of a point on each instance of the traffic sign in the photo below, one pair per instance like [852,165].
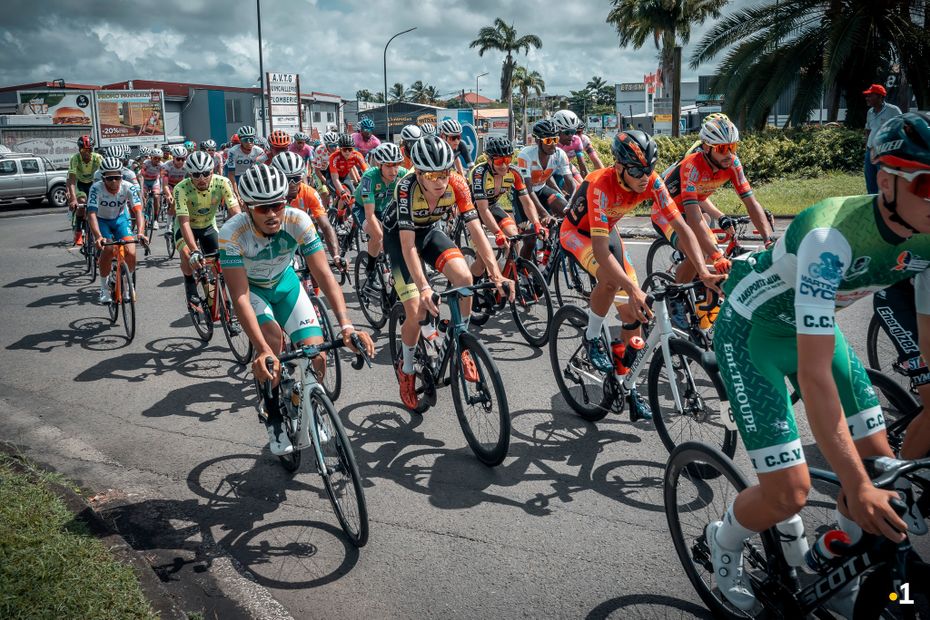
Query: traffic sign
[470,139]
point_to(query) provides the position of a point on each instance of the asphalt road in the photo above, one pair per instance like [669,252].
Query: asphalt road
[570,525]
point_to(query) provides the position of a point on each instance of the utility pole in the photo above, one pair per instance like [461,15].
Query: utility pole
[261,66]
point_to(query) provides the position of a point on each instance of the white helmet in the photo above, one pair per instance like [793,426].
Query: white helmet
[410,133]
[289,163]
[321,157]
[566,120]
[199,161]
[428,129]
[387,153]
[432,154]
[246,131]
[111,164]
[331,138]
[719,131]
[178,151]
[262,185]
[450,127]
[116,150]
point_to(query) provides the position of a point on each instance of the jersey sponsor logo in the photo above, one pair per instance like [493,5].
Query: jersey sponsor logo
[890,146]
[743,402]
[758,287]
[859,266]
[902,336]
[824,277]
[823,322]
[907,261]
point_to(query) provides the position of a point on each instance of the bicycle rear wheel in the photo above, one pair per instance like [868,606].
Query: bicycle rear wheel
[899,407]
[573,285]
[372,302]
[662,257]
[128,301]
[481,406]
[200,315]
[238,340]
[169,238]
[881,352]
[580,383]
[342,480]
[532,306]
[332,379]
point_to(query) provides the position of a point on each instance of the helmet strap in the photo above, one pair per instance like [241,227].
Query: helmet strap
[892,206]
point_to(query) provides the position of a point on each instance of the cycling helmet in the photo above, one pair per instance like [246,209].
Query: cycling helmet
[111,164]
[719,131]
[410,133]
[291,164]
[262,185]
[198,161]
[300,136]
[387,153]
[715,116]
[432,154]
[635,148]
[566,121]
[321,157]
[116,150]
[246,131]
[498,146]
[314,142]
[178,151]
[450,127]
[166,150]
[903,142]
[190,145]
[280,139]
[545,128]
[428,129]
[85,142]
[206,145]
[234,139]
[345,141]
[366,124]
[261,143]
[331,138]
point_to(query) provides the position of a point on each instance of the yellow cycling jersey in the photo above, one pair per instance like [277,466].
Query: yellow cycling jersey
[201,206]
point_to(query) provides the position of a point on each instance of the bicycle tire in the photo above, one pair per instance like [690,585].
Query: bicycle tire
[660,257]
[372,306]
[200,316]
[492,451]
[323,411]
[332,379]
[113,306]
[128,303]
[169,242]
[591,409]
[149,226]
[236,338]
[667,421]
[531,292]
[879,347]
[572,278]
[899,407]
[290,462]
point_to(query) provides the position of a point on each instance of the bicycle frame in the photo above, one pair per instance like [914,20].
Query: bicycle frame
[450,342]
[214,269]
[308,432]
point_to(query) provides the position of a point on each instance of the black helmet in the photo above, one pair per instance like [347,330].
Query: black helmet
[903,142]
[498,146]
[635,148]
[545,128]
[345,141]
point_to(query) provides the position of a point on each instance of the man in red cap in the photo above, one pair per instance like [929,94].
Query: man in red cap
[878,113]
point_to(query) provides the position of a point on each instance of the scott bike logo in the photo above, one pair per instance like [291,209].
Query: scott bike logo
[907,261]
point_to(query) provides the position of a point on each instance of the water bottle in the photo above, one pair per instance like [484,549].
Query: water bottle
[793,541]
[827,548]
[539,250]
[618,349]
[633,347]
[430,337]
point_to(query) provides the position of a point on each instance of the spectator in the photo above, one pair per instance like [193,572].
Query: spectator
[878,113]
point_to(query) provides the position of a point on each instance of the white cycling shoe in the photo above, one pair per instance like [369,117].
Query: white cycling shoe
[105,296]
[728,571]
[278,441]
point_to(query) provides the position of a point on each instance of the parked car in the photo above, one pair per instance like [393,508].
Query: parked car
[34,178]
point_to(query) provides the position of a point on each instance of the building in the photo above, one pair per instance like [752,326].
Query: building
[353,111]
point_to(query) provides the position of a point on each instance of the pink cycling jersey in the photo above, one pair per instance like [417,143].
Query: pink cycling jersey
[362,145]
[573,149]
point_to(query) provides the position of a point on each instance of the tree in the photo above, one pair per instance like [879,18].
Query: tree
[397,93]
[818,48]
[502,37]
[416,92]
[523,82]
[668,23]
[432,95]
[363,95]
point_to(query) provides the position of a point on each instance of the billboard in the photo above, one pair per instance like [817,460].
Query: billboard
[57,144]
[131,117]
[59,108]
[284,101]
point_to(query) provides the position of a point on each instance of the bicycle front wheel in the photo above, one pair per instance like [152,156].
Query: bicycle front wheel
[200,314]
[662,257]
[128,301]
[580,383]
[372,301]
[332,377]
[169,238]
[573,285]
[342,480]
[532,306]
[481,405]
[238,340]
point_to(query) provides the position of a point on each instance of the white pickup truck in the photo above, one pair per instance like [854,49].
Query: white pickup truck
[32,177]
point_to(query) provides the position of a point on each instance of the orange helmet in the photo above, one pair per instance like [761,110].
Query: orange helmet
[280,139]
[235,138]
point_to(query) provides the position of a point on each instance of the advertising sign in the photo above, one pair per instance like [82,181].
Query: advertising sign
[284,101]
[63,108]
[55,144]
[595,122]
[131,116]
[631,87]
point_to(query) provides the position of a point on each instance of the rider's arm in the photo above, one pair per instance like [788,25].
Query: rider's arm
[483,249]
[582,168]
[329,234]
[690,204]
[484,212]
[595,158]
[334,175]
[758,217]
[92,206]
[458,166]
[374,224]
[135,205]
[664,210]
[72,189]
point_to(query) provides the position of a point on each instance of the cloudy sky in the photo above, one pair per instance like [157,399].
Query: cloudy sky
[336,46]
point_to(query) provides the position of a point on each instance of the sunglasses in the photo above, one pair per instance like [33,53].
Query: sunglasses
[726,149]
[440,175]
[346,150]
[295,179]
[265,209]
[503,161]
[637,172]
[453,138]
[549,141]
[246,140]
[179,159]
[108,179]
[919,181]
[200,175]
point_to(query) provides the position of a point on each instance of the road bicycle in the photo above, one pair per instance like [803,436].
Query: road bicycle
[122,286]
[310,421]
[570,283]
[882,354]
[347,233]
[481,404]
[215,304]
[892,573]
[332,380]
[376,299]
[89,250]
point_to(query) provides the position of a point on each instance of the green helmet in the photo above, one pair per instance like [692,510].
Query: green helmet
[903,142]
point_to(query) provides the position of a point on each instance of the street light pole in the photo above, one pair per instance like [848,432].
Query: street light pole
[387,113]
[476,87]
[261,66]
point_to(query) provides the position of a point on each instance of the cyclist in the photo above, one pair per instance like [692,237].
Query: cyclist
[588,233]
[172,173]
[421,201]
[280,142]
[427,129]
[304,197]
[363,140]
[778,322]
[318,175]
[166,152]
[569,141]
[256,250]
[241,156]
[149,177]
[108,204]
[345,166]
[197,200]
[450,130]
[81,170]
[538,162]
[588,148]
[372,195]
[408,135]
[121,153]
[209,147]
[302,147]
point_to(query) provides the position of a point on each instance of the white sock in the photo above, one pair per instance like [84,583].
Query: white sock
[849,526]
[731,534]
[103,282]
[408,359]
[595,323]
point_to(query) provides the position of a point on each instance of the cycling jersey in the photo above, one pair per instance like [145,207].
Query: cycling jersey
[305,152]
[694,179]
[574,148]
[267,259]
[150,171]
[341,166]
[410,211]
[528,163]
[482,182]
[84,171]
[362,145]
[110,206]
[267,156]
[127,173]
[585,142]
[238,161]
[201,206]
[308,200]
[173,174]
[218,163]
[374,189]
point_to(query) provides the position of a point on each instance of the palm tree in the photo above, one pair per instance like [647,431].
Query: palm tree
[416,92]
[502,37]
[397,93]
[432,95]
[523,82]
[668,23]
[816,46]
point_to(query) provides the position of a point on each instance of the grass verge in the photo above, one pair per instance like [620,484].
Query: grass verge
[51,566]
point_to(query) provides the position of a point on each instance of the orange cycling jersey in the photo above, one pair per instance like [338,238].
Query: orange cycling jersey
[694,179]
[308,200]
[602,200]
[341,166]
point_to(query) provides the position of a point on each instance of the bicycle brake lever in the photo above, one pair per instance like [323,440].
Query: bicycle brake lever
[361,357]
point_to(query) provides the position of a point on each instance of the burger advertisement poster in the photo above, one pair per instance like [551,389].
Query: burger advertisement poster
[131,116]
[72,108]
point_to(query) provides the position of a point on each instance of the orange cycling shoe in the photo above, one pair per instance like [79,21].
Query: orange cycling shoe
[408,387]
[468,367]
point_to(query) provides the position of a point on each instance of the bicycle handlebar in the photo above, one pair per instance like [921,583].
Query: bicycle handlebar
[135,241]
[311,351]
